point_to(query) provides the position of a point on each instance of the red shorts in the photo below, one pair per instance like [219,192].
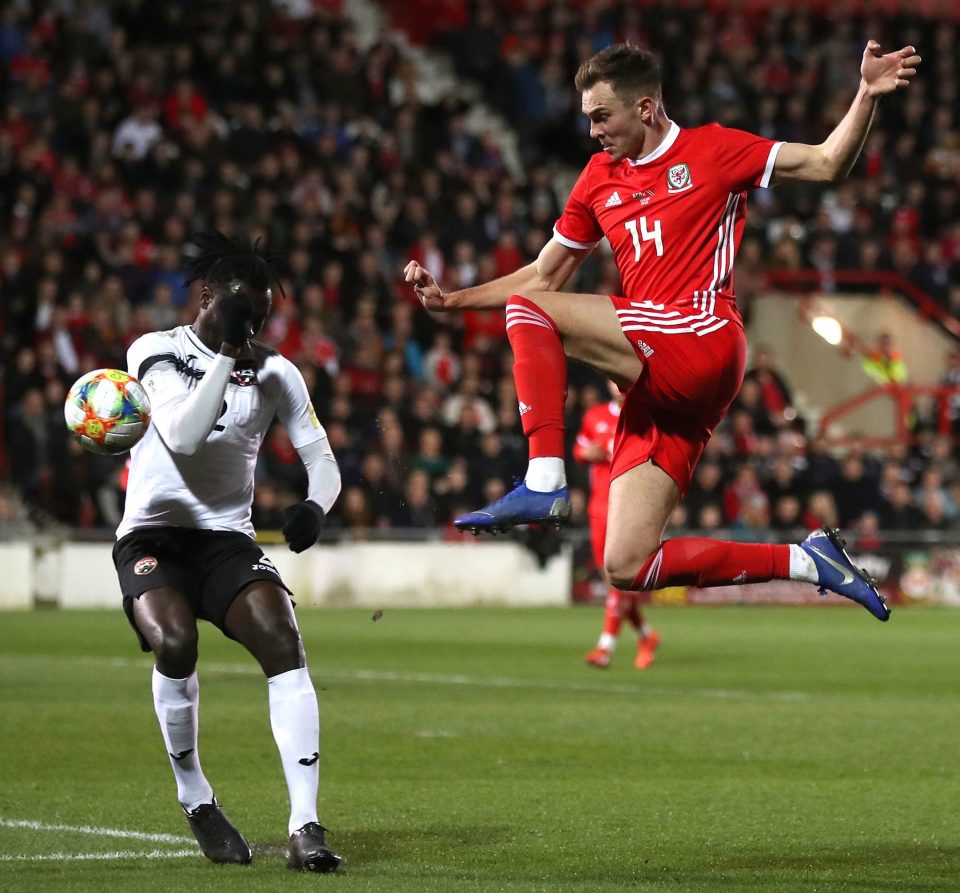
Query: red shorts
[688,382]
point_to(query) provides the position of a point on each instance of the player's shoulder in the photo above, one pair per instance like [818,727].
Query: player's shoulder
[155,343]
[715,133]
[269,362]
[597,164]
[264,354]
[168,337]
[152,348]
[703,135]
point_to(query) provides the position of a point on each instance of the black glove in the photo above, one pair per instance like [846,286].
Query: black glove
[302,524]
[236,313]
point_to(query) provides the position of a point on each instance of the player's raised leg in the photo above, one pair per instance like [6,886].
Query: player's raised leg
[261,618]
[544,328]
[641,501]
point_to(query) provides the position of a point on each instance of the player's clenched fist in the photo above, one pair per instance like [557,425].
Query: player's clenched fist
[425,286]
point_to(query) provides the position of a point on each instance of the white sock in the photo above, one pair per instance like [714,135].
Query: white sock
[177,702]
[295,720]
[801,566]
[546,473]
[607,642]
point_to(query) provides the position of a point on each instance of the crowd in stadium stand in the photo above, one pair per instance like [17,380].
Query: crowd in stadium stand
[126,127]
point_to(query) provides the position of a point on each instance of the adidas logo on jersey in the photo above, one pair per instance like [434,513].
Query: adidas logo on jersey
[645,348]
[524,408]
[614,200]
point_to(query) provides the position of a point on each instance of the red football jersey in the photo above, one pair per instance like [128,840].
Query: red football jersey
[599,426]
[674,218]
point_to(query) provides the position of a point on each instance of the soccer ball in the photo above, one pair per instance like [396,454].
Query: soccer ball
[108,411]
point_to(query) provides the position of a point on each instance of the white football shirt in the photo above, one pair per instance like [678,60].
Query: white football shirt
[212,489]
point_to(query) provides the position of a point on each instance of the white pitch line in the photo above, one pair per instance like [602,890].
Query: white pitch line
[640,689]
[95,857]
[95,831]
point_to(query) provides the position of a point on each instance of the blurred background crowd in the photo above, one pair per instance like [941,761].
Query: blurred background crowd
[127,126]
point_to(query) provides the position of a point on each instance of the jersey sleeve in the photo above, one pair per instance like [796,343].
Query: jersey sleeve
[183,416]
[577,226]
[296,412]
[744,160]
[152,360]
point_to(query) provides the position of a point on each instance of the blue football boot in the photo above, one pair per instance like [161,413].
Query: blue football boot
[520,506]
[836,572]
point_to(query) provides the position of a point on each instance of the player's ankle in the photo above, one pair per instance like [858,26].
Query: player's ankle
[546,474]
[802,566]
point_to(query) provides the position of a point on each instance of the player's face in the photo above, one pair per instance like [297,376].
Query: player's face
[261,302]
[617,124]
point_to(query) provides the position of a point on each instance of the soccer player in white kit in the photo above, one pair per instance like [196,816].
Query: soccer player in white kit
[185,546]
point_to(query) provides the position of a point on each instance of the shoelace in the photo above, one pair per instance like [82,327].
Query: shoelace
[513,494]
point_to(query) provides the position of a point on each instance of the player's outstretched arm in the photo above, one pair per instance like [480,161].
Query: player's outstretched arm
[880,73]
[549,272]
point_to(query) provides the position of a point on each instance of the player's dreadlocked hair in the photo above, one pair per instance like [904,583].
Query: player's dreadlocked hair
[224,258]
[630,70]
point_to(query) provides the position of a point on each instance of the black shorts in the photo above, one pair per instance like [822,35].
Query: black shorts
[209,567]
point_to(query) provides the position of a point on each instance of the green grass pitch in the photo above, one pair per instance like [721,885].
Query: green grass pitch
[768,749]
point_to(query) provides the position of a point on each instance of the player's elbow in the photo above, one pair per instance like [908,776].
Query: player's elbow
[178,443]
[830,169]
[184,448]
[835,173]
[336,483]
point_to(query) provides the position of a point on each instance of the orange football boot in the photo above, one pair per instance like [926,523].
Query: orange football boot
[646,650]
[599,657]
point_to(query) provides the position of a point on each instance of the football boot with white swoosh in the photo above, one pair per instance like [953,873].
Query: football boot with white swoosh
[837,573]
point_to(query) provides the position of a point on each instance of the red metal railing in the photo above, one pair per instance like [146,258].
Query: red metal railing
[886,283]
[904,399]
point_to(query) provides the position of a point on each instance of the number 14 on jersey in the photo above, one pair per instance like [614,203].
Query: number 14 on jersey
[645,234]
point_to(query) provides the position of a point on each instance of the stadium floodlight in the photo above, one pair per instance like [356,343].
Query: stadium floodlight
[828,328]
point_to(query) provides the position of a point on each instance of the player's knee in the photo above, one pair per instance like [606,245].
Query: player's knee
[620,577]
[282,647]
[175,649]
[623,566]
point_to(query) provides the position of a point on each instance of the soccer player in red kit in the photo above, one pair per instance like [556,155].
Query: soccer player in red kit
[594,447]
[671,203]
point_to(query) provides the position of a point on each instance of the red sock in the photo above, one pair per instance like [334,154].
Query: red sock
[540,373]
[691,561]
[633,612]
[613,615]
